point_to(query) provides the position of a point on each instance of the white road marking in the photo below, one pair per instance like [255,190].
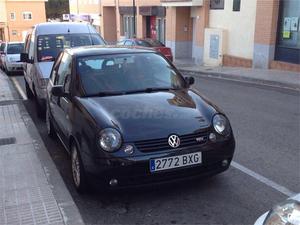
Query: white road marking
[19,88]
[264,180]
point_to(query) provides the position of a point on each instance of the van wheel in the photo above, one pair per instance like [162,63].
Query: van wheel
[28,90]
[78,174]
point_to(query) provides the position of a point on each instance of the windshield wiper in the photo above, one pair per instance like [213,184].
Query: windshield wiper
[105,93]
[149,90]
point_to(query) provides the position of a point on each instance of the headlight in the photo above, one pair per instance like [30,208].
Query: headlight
[110,140]
[287,213]
[221,124]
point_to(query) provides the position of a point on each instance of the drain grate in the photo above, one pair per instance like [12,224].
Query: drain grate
[7,141]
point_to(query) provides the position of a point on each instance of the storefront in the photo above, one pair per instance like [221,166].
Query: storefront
[288,36]
[154,22]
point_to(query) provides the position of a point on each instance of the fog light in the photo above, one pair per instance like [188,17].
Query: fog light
[113,182]
[212,137]
[225,163]
[128,149]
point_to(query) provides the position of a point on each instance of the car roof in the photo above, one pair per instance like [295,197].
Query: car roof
[107,50]
[63,28]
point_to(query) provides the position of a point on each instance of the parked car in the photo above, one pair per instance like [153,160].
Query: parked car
[128,117]
[286,213]
[149,43]
[2,47]
[11,57]
[42,46]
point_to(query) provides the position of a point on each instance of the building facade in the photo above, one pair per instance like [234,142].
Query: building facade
[18,16]
[247,33]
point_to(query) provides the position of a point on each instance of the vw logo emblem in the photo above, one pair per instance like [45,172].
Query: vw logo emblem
[174,141]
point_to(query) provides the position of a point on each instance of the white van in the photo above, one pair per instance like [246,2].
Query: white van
[42,45]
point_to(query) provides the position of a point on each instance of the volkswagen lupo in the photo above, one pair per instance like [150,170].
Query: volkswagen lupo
[128,118]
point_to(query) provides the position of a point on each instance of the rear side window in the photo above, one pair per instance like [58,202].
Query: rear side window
[64,69]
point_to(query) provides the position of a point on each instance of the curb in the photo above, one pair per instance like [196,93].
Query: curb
[232,77]
[64,200]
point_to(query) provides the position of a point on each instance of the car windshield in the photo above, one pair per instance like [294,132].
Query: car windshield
[15,48]
[49,46]
[125,73]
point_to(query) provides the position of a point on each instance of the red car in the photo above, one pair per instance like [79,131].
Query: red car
[149,43]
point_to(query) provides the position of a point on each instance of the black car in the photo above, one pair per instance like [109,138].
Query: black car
[128,118]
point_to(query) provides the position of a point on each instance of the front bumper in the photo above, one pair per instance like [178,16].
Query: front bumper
[135,171]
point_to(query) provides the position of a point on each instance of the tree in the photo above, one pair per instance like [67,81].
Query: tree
[55,8]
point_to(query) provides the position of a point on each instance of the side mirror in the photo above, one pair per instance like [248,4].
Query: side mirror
[190,81]
[58,91]
[24,57]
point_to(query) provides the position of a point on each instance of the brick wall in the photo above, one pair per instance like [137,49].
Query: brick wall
[266,21]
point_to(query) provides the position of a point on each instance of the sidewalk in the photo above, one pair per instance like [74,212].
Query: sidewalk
[270,77]
[31,188]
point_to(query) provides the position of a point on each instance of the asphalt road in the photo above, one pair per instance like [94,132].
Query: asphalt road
[266,123]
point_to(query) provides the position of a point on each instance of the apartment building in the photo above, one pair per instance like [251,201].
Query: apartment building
[18,16]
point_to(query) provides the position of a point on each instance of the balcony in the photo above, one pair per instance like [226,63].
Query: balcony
[181,2]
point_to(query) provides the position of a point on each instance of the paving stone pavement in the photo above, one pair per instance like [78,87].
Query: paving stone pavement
[31,189]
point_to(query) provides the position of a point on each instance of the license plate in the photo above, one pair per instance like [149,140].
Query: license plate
[175,162]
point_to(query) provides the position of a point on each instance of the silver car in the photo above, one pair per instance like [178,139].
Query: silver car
[11,57]
[42,46]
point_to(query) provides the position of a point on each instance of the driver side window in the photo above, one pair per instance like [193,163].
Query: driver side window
[64,71]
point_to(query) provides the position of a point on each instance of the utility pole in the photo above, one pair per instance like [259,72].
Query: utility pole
[134,16]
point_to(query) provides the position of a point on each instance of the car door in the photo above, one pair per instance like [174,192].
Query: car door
[62,105]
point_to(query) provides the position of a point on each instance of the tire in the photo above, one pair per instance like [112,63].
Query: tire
[50,128]
[28,91]
[78,173]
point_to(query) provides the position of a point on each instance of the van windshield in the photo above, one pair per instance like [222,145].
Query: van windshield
[49,46]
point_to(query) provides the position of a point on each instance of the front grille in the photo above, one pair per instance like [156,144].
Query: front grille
[189,140]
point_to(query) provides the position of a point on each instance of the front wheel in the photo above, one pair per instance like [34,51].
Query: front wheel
[78,174]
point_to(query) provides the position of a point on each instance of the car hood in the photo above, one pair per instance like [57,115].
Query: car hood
[151,115]
[45,68]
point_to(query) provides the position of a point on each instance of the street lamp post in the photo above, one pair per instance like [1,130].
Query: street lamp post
[134,16]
